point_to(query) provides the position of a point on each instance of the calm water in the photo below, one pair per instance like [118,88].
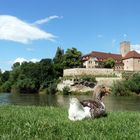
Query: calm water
[112,103]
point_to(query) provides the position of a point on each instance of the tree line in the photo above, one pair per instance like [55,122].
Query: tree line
[29,77]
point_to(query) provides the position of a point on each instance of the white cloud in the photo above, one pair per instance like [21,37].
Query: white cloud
[46,20]
[113,41]
[34,60]
[136,47]
[14,29]
[21,60]
[30,49]
[125,36]
[99,36]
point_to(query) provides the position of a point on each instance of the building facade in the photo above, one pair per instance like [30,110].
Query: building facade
[95,60]
[131,61]
[125,61]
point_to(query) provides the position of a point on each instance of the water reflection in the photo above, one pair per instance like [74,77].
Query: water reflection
[32,99]
[112,103]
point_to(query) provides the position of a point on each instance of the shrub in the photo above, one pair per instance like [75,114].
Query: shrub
[131,84]
[134,83]
[120,88]
[127,75]
[52,88]
[89,78]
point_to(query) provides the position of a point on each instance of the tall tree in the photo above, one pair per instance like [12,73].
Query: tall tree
[58,62]
[5,76]
[58,56]
[72,58]
[47,74]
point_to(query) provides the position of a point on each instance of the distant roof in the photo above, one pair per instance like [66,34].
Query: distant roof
[132,54]
[86,57]
[103,55]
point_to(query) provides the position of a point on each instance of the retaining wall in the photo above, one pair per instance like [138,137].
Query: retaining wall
[88,71]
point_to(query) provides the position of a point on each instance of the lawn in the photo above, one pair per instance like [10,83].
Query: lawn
[51,123]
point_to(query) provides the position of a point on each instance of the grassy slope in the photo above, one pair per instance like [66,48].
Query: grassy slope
[42,123]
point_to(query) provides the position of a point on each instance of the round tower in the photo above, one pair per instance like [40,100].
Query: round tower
[124,47]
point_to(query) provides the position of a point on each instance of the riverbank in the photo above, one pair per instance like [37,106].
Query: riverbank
[24,122]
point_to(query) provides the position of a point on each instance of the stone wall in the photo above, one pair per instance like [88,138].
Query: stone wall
[88,71]
[107,81]
[81,88]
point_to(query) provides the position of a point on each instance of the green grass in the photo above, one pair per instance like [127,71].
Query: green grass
[50,123]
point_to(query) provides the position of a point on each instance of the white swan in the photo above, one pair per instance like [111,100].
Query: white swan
[79,110]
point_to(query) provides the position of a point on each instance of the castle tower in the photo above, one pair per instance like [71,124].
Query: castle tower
[124,47]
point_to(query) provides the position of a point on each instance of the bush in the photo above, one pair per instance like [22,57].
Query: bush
[120,88]
[89,78]
[52,88]
[134,83]
[131,84]
[127,75]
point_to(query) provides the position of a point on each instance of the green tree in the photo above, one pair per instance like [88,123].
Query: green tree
[6,87]
[58,62]
[14,74]
[58,56]
[25,86]
[5,76]
[0,77]
[109,63]
[72,58]
[16,65]
[47,73]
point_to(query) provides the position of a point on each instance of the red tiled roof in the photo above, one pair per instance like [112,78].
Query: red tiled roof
[132,54]
[86,57]
[103,55]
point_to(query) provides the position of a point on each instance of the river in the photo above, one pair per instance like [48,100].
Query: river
[112,103]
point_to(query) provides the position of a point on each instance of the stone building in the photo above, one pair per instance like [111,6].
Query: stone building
[95,59]
[127,60]
[131,61]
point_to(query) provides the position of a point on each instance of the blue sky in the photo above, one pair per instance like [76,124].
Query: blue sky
[33,29]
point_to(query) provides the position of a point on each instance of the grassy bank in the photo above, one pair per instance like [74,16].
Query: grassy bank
[46,123]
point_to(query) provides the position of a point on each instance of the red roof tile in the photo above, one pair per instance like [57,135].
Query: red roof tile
[103,55]
[86,57]
[132,54]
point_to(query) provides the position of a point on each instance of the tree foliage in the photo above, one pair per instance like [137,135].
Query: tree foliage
[58,62]
[127,87]
[30,77]
[109,63]
[72,58]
